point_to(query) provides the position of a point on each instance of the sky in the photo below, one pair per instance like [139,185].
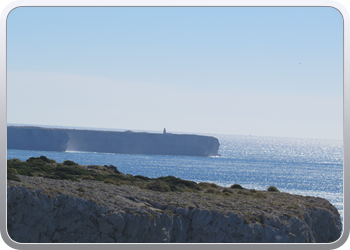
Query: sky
[267,71]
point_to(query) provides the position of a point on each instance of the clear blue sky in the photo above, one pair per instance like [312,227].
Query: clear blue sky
[259,71]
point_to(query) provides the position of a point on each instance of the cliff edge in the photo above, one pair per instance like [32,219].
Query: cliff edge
[51,139]
[101,204]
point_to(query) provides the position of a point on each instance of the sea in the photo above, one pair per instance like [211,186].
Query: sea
[308,167]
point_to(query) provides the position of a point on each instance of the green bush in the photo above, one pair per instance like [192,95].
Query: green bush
[173,182]
[158,185]
[98,177]
[94,166]
[273,189]
[11,174]
[261,195]
[114,182]
[36,160]
[23,169]
[14,160]
[60,176]
[227,194]
[253,194]
[209,191]
[69,163]
[243,192]
[226,190]
[203,185]
[237,186]
[45,159]
[80,189]
[88,177]
[71,170]
[12,171]
[190,190]
[142,177]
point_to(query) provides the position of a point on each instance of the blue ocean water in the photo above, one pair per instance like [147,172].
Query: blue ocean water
[310,167]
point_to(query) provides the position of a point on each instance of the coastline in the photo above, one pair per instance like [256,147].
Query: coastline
[263,216]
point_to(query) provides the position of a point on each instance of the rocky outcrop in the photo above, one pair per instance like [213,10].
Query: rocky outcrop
[36,216]
[49,139]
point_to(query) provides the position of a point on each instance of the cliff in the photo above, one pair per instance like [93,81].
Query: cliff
[49,139]
[129,209]
[35,138]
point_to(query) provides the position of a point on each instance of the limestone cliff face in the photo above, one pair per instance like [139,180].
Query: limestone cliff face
[35,138]
[34,217]
[142,143]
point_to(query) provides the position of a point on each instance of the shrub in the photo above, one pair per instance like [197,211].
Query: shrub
[11,174]
[93,166]
[80,189]
[243,192]
[38,162]
[207,185]
[237,186]
[212,191]
[254,219]
[213,185]
[114,182]
[142,177]
[14,160]
[209,191]
[173,182]
[288,216]
[112,168]
[69,163]
[253,194]
[158,185]
[88,177]
[261,195]
[272,189]
[12,171]
[24,170]
[70,170]
[32,159]
[226,190]
[246,220]
[45,159]
[227,194]
[60,176]
[181,187]
[50,176]
[190,190]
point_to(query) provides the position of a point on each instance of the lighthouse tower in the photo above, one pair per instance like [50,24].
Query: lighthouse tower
[164,131]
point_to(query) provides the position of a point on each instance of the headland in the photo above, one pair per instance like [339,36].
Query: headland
[128,142]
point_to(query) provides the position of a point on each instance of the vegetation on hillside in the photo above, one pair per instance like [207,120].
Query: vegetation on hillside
[69,170]
[102,184]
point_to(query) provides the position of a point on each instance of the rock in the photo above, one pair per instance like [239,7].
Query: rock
[35,217]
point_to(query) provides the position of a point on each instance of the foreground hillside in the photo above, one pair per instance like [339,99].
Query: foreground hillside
[67,202]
